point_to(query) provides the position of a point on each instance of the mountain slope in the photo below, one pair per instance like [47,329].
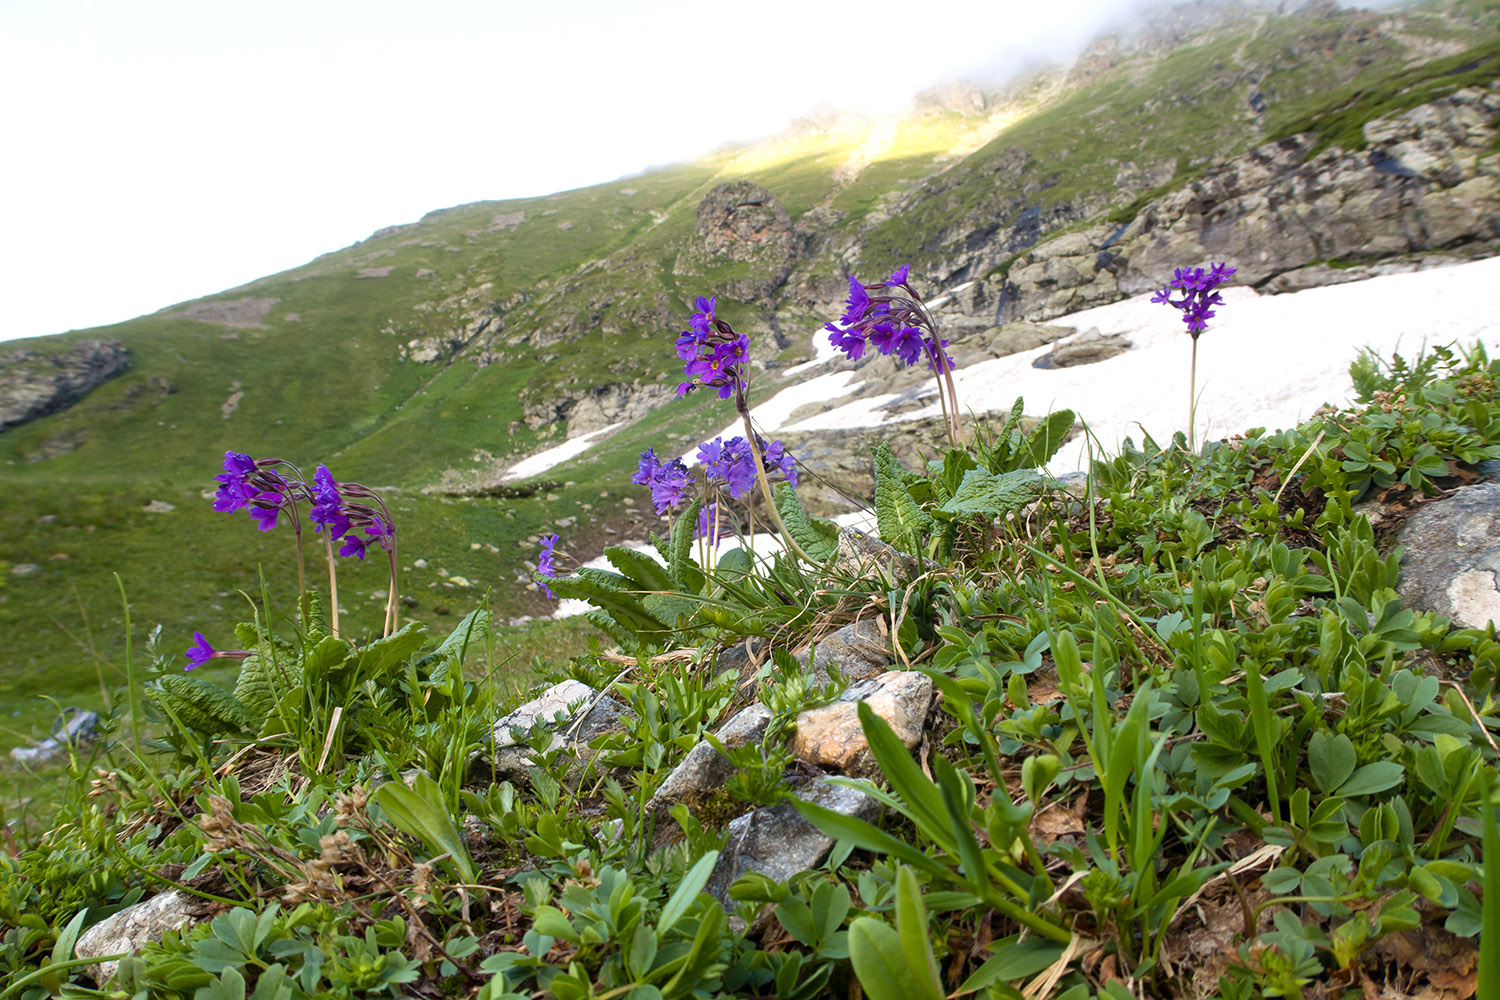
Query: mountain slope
[433,355]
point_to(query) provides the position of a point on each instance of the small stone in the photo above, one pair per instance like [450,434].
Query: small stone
[419,563]
[24,569]
[858,651]
[459,581]
[1453,555]
[704,768]
[474,546]
[575,712]
[159,507]
[830,736]
[138,925]
[778,843]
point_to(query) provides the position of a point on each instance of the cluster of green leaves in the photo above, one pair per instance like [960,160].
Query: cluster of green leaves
[1207,653]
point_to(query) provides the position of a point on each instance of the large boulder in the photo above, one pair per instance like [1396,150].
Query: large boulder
[572,712]
[1453,555]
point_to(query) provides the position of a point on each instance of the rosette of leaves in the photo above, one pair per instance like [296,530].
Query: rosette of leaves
[645,602]
[997,478]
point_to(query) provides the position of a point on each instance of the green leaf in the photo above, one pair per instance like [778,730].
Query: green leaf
[1372,778]
[875,952]
[911,929]
[643,572]
[681,562]
[379,660]
[897,514]
[1011,959]
[1489,931]
[474,626]
[1044,440]
[687,891]
[201,705]
[982,493]
[818,536]
[421,812]
[1331,758]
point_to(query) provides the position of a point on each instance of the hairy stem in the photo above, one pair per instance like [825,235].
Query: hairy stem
[765,485]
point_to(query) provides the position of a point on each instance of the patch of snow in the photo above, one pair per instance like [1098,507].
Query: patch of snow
[1265,361]
[544,460]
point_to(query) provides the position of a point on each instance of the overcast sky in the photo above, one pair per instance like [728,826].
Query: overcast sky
[159,151]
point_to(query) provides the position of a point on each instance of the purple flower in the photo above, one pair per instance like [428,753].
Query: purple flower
[235,492]
[712,352]
[709,524]
[545,566]
[237,463]
[328,507]
[856,304]
[647,468]
[264,508]
[898,276]
[668,485]
[851,342]
[1198,294]
[353,546]
[778,459]
[200,652]
[730,461]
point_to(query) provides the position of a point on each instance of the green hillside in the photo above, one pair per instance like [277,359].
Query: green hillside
[428,354]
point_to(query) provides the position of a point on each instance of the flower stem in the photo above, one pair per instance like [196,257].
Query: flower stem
[333,585]
[765,485]
[1192,392]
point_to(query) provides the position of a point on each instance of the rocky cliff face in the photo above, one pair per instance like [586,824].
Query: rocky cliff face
[1428,180]
[34,384]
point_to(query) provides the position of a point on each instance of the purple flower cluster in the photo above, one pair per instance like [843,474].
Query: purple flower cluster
[713,353]
[545,565]
[271,486]
[668,480]
[710,525]
[896,325]
[731,462]
[1197,286]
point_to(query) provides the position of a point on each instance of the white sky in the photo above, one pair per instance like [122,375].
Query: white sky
[158,151]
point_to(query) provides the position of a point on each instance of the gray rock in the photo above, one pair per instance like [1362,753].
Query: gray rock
[704,769]
[575,712]
[36,383]
[1452,556]
[1087,348]
[135,926]
[71,731]
[778,843]
[858,651]
[830,736]
[860,554]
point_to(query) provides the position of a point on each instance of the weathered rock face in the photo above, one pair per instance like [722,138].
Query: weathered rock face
[1426,181]
[741,222]
[34,384]
[590,408]
[1453,555]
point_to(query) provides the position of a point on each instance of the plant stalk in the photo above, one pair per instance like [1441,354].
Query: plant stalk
[765,484]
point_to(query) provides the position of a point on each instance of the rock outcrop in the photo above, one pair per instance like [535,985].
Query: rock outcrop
[744,239]
[34,384]
[1428,179]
